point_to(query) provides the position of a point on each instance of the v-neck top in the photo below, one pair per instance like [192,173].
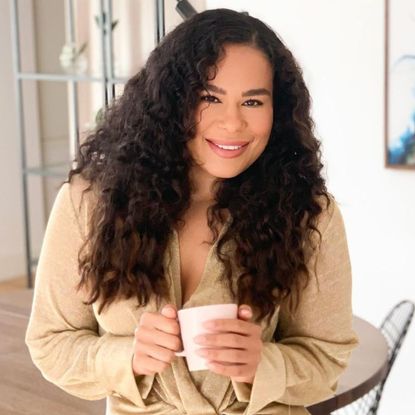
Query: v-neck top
[89,355]
[176,281]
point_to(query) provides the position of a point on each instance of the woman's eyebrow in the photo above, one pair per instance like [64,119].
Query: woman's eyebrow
[249,93]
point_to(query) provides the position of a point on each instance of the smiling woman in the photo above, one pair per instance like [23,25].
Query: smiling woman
[202,185]
[236,122]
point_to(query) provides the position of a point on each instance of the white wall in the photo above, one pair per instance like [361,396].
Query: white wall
[340,45]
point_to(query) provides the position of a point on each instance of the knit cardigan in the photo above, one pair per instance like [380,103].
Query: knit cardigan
[90,355]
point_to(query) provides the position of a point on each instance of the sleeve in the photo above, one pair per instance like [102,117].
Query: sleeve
[62,335]
[315,343]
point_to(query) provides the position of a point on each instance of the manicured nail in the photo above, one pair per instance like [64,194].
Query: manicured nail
[246,312]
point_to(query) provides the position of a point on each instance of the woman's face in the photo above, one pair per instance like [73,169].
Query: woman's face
[236,113]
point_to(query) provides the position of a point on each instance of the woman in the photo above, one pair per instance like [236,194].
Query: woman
[201,185]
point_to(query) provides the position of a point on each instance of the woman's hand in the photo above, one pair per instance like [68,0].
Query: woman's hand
[235,348]
[156,339]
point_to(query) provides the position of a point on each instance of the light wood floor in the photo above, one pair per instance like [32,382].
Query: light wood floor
[18,283]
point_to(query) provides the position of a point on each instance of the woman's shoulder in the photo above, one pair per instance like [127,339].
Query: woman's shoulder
[330,215]
[81,195]
[328,224]
[80,190]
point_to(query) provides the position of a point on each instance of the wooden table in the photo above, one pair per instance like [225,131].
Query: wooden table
[367,367]
[24,391]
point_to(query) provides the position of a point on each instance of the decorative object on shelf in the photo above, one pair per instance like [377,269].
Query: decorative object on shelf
[100,20]
[400,84]
[73,60]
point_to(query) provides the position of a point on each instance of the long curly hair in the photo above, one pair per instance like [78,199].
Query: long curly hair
[138,161]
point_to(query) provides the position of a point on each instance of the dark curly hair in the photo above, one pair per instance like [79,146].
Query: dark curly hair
[138,161]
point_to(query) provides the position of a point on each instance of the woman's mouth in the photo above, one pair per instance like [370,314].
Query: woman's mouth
[229,150]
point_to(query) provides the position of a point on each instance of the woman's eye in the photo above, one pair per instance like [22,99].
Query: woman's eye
[213,99]
[253,103]
[209,98]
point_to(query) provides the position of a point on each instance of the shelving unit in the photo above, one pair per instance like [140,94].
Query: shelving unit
[107,79]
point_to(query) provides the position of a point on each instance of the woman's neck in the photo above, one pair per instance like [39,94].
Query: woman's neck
[202,187]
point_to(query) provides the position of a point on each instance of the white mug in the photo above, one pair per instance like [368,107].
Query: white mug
[191,325]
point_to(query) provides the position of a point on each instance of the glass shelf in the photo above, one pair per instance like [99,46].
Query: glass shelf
[67,69]
[117,80]
[36,76]
[59,170]
[57,77]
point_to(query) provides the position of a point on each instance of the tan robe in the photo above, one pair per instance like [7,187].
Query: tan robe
[90,355]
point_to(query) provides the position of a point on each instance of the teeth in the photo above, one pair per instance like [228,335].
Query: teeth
[228,147]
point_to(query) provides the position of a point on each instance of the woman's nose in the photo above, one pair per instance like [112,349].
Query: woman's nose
[232,119]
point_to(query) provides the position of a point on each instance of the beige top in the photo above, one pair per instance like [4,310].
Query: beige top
[90,355]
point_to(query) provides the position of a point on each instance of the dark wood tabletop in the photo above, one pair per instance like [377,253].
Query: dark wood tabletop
[367,367]
[25,392]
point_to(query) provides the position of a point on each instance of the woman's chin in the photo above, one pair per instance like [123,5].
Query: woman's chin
[224,174]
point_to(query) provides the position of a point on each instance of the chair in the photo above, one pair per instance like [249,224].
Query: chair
[394,328]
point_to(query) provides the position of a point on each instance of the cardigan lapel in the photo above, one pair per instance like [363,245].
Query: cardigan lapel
[211,393]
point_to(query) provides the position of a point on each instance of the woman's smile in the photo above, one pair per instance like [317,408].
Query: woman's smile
[228,150]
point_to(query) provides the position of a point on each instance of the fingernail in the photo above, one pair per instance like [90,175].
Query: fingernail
[246,312]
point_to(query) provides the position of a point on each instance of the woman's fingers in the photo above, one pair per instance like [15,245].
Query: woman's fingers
[157,352]
[166,340]
[232,340]
[160,322]
[232,356]
[149,365]
[232,325]
[156,338]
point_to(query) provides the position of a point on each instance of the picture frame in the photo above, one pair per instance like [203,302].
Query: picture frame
[400,84]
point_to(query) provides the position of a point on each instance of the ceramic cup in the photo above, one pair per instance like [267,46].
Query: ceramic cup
[191,325]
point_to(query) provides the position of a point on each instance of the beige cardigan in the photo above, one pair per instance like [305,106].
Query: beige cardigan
[90,355]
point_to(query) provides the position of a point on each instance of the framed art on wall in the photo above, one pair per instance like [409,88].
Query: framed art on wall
[400,84]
